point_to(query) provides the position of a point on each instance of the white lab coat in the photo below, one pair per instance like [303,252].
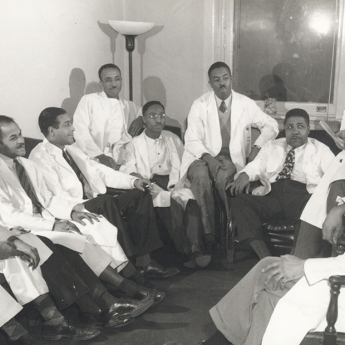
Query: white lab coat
[26,284]
[270,160]
[62,180]
[101,128]
[137,161]
[203,132]
[8,305]
[304,307]
[16,210]
[315,212]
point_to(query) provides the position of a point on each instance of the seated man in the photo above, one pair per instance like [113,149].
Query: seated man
[101,120]
[26,201]
[216,141]
[72,175]
[278,302]
[289,169]
[21,263]
[156,155]
[327,199]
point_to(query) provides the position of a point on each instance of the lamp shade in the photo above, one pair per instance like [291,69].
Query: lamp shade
[130,28]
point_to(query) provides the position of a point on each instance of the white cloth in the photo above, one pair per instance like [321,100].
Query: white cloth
[304,307]
[61,178]
[270,160]
[101,125]
[8,305]
[203,132]
[315,212]
[137,160]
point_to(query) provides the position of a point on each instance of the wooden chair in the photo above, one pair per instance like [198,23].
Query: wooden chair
[330,335]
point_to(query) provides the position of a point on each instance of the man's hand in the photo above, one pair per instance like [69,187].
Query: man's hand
[253,153]
[108,161]
[136,175]
[7,250]
[30,253]
[332,227]
[240,185]
[18,230]
[65,226]
[143,185]
[285,269]
[79,216]
[213,165]
[341,135]
[136,126]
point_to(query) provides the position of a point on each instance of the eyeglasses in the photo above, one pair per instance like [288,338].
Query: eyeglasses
[156,116]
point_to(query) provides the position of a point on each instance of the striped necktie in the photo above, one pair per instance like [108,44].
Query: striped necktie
[288,166]
[28,188]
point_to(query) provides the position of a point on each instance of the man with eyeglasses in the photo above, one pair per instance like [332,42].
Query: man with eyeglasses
[156,156]
[104,122]
[217,141]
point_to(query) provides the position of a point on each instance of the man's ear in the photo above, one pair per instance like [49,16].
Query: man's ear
[51,130]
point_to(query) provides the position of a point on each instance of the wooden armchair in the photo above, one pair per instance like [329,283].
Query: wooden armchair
[330,335]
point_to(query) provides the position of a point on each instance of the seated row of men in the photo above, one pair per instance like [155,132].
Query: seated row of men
[60,194]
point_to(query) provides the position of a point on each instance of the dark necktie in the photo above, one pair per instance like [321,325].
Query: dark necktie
[28,188]
[288,166]
[222,107]
[87,193]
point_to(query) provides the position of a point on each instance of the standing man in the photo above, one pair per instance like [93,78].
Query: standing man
[217,141]
[289,170]
[104,122]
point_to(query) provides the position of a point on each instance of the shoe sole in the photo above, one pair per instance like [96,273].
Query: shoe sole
[143,307]
[57,337]
[122,323]
[159,300]
[202,261]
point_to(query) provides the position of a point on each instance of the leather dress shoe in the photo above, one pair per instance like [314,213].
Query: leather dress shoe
[198,260]
[128,308]
[65,330]
[154,294]
[155,270]
[117,320]
[25,339]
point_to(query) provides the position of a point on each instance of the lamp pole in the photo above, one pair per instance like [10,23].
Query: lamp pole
[130,45]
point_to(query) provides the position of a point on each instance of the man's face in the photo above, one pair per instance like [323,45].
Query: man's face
[111,82]
[64,134]
[220,82]
[296,131]
[154,119]
[12,143]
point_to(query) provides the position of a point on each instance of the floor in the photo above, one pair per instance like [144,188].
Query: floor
[182,318]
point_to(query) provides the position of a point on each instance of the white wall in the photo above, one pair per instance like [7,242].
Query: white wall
[41,43]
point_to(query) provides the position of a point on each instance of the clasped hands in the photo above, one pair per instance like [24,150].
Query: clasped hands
[283,270]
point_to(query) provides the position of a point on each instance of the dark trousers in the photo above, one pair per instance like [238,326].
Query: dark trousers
[68,277]
[308,240]
[286,201]
[106,206]
[137,209]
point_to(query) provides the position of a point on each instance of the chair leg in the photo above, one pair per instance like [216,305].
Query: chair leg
[230,241]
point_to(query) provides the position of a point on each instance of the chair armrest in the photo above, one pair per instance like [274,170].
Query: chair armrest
[115,191]
[340,248]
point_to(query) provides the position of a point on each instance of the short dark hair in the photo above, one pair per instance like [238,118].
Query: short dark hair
[151,103]
[218,64]
[297,112]
[108,65]
[5,120]
[48,118]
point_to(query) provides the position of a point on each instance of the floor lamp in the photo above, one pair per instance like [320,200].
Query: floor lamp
[130,30]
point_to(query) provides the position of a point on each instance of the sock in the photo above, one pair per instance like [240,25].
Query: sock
[128,271]
[129,287]
[46,307]
[88,306]
[14,329]
[143,260]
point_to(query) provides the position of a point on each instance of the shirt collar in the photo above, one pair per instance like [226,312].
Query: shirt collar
[297,149]
[152,140]
[9,161]
[219,101]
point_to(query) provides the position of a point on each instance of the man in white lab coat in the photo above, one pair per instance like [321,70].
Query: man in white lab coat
[104,122]
[69,173]
[217,141]
[289,170]
[156,156]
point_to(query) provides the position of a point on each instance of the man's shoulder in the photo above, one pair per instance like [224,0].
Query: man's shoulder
[169,134]
[242,98]
[39,149]
[318,144]
[205,98]
[93,96]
